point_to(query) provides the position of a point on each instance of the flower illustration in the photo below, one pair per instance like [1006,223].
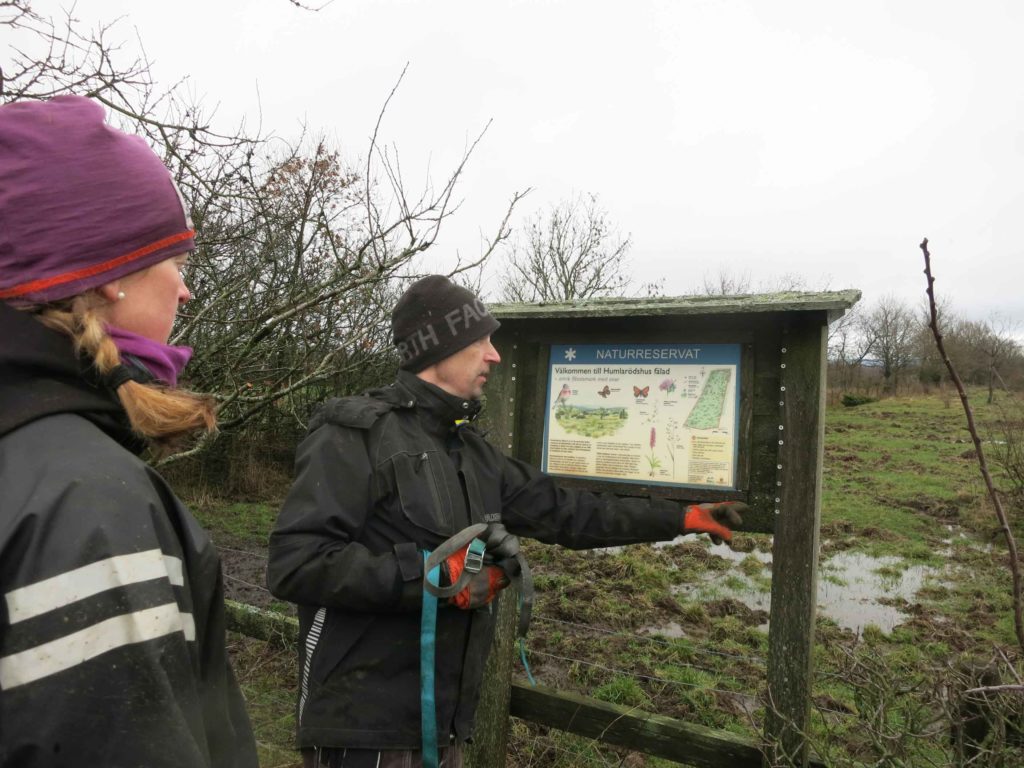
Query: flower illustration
[668,386]
[652,459]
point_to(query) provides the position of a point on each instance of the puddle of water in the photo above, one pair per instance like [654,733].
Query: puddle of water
[722,550]
[671,630]
[850,587]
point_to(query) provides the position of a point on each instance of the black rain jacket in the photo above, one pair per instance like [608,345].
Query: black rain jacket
[379,479]
[112,649]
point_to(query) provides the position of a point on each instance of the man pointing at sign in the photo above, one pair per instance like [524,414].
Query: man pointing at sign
[385,478]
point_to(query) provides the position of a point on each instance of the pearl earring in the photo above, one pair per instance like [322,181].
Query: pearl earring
[120,295]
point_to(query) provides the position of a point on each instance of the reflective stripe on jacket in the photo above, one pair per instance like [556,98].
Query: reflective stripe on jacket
[112,644]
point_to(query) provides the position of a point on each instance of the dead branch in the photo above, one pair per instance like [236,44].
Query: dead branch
[996,689]
[1011,544]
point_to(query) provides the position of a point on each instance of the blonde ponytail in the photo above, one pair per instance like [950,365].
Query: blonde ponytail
[166,417]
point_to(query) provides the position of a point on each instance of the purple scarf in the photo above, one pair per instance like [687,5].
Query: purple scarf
[163,361]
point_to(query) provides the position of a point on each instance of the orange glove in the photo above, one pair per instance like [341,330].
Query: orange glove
[717,520]
[482,588]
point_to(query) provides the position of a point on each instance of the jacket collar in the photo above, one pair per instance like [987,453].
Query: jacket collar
[440,410]
[40,375]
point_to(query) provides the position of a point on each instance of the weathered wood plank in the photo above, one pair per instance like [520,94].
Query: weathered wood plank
[534,406]
[764,458]
[764,425]
[642,490]
[795,549]
[830,301]
[497,419]
[687,329]
[746,417]
[633,729]
[276,629]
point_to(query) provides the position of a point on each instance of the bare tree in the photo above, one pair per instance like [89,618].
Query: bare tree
[571,251]
[849,343]
[985,352]
[999,347]
[892,328]
[794,281]
[726,283]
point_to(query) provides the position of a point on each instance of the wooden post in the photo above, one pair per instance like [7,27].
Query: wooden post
[795,549]
[490,732]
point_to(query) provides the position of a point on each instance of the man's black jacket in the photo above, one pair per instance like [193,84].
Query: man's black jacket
[379,479]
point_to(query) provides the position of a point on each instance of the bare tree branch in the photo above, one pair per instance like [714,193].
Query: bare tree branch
[1011,543]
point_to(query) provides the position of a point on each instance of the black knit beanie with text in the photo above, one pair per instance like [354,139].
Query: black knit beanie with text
[434,319]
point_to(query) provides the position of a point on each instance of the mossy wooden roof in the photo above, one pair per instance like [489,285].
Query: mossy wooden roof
[834,302]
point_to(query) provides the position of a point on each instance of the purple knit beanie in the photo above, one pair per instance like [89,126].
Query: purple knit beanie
[81,203]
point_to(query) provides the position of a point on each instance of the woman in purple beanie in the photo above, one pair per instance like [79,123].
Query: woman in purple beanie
[112,648]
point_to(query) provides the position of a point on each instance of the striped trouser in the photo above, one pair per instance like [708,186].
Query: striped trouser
[450,757]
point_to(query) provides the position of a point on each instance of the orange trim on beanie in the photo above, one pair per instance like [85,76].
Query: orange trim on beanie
[94,269]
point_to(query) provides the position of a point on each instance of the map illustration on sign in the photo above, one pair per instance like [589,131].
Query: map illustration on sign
[663,413]
[707,413]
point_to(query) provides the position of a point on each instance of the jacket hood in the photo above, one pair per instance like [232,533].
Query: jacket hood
[40,375]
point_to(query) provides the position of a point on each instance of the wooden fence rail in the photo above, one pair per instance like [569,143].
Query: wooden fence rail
[608,723]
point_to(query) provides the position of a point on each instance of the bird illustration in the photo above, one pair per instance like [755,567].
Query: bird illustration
[562,396]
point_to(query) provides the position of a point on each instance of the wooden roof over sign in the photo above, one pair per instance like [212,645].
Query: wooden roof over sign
[834,302]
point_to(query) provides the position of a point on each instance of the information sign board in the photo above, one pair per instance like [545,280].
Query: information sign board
[665,414]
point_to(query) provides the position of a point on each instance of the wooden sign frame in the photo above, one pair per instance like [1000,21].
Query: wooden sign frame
[782,407]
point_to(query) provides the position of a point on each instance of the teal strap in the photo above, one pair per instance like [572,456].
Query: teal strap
[428,648]
[475,556]
[526,664]
[522,646]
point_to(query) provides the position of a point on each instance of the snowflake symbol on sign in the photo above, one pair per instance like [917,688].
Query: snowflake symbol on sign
[570,354]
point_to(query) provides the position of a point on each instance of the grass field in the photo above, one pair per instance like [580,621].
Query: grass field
[679,629]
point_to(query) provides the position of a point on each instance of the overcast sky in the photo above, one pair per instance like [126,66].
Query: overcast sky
[809,138]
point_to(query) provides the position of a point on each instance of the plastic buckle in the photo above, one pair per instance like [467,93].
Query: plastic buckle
[475,556]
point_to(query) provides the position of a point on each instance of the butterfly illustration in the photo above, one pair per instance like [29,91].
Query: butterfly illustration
[604,392]
[637,392]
